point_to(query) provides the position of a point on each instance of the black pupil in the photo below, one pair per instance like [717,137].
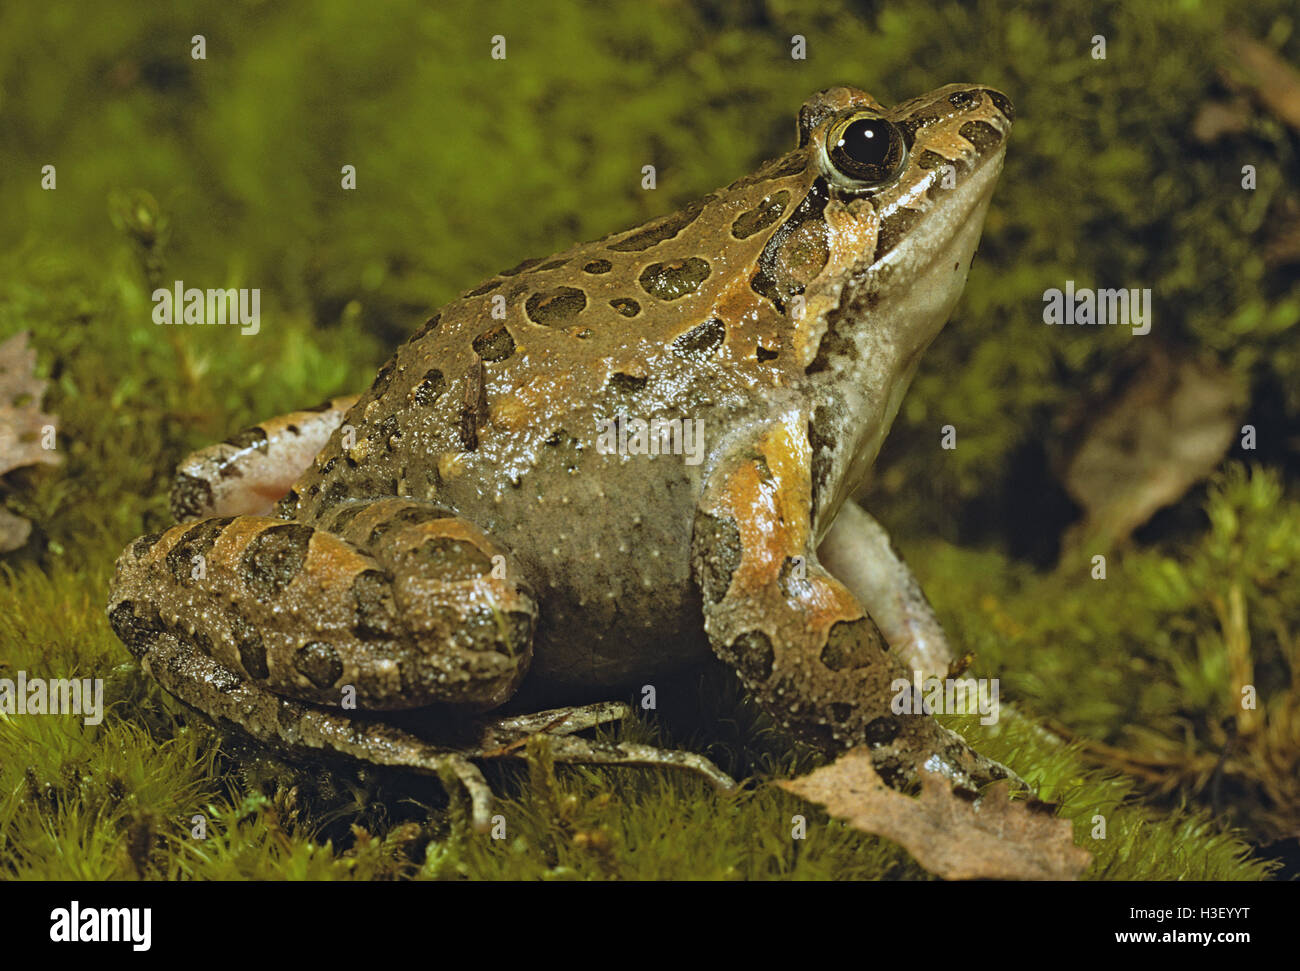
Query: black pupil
[866,141]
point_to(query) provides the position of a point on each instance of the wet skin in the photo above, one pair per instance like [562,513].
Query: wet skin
[457,536]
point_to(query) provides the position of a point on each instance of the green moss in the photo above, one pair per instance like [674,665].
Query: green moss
[466,165]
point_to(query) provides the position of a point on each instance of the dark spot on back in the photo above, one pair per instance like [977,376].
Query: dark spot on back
[495,344]
[558,306]
[674,279]
[664,229]
[383,379]
[701,340]
[144,544]
[431,388]
[520,267]
[626,306]
[618,381]
[197,542]
[427,328]
[274,558]
[598,266]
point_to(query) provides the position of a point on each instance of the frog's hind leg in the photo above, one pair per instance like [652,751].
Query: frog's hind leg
[247,473]
[386,604]
[859,553]
[293,728]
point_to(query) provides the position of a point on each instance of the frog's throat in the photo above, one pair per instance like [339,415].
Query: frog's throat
[886,315]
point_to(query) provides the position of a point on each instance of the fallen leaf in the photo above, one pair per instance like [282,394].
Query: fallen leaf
[21,426]
[1217,119]
[14,531]
[951,835]
[1272,80]
[1166,429]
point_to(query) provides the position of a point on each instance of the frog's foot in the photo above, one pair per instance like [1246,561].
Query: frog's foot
[507,736]
[247,473]
[859,553]
[293,728]
[386,604]
[801,641]
[299,730]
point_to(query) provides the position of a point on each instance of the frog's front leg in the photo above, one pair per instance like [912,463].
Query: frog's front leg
[858,552]
[800,640]
[247,473]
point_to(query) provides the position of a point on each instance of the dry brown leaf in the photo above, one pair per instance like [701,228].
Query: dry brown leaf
[14,531]
[1217,119]
[1164,432]
[21,424]
[1271,79]
[948,834]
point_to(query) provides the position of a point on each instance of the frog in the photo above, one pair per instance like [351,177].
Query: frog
[596,469]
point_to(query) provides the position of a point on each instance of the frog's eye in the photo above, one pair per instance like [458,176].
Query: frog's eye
[866,150]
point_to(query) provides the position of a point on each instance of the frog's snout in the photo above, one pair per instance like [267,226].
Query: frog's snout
[1002,103]
[978,115]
